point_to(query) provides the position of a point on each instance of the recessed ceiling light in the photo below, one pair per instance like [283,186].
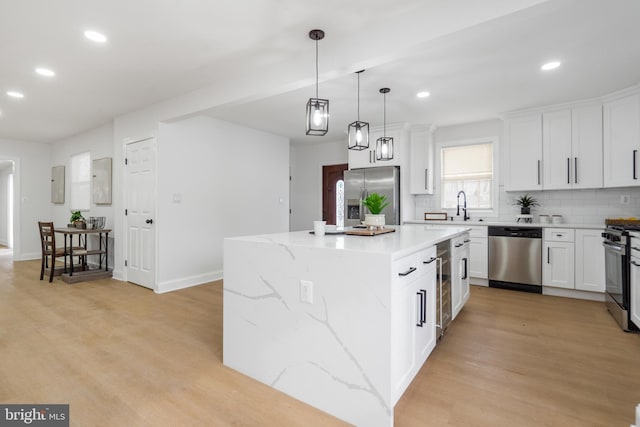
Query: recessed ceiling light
[423,94]
[95,36]
[550,66]
[45,72]
[15,94]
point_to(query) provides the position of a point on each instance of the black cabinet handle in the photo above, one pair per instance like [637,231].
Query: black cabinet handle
[467,241]
[423,319]
[568,170]
[575,170]
[635,175]
[421,308]
[459,244]
[549,255]
[464,276]
[149,221]
[408,272]
[538,172]
[429,261]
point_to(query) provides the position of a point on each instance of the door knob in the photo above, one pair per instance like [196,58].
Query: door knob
[149,221]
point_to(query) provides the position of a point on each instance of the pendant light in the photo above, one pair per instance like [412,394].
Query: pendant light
[384,145]
[317,109]
[358,131]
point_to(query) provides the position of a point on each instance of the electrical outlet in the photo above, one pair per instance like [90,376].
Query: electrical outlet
[624,199]
[306,291]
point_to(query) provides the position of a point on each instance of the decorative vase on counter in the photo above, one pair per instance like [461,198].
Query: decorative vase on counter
[372,220]
[525,210]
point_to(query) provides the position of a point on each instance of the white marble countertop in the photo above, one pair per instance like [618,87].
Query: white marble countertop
[506,224]
[404,240]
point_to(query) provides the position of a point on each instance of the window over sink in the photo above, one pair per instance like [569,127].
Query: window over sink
[468,166]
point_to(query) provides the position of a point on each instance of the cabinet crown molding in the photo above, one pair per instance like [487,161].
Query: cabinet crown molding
[572,104]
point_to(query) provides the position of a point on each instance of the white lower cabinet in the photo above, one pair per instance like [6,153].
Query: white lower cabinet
[573,259]
[589,261]
[413,318]
[459,273]
[558,258]
[479,252]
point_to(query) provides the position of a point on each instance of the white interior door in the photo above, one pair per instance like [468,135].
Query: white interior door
[140,171]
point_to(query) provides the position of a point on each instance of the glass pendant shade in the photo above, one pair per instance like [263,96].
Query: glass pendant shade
[317,109]
[317,116]
[384,148]
[358,131]
[384,145]
[358,135]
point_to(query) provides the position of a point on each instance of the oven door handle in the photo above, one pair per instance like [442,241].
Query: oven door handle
[613,247]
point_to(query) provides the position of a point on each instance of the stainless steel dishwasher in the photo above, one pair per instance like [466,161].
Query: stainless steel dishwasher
[515,258]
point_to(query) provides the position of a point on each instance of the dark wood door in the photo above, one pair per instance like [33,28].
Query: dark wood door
[330,176]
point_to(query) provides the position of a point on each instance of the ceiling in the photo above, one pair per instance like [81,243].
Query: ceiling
[477,73]
[476,58]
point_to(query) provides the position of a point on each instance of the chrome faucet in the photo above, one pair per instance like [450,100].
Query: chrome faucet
[464,207]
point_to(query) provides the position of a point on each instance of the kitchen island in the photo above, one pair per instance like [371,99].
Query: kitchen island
[340,322]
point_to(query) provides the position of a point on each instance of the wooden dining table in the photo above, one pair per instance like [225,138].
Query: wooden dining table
[80,249]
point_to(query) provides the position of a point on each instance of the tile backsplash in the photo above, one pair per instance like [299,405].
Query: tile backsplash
[575,206]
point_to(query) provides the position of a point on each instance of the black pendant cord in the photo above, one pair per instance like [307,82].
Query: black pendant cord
[384,114]
[358,96]
[316,68]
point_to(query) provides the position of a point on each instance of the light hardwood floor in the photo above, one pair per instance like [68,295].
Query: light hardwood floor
[121,355]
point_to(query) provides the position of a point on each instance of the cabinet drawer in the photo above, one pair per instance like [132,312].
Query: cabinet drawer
[559,235]
[478,231]
[426,259]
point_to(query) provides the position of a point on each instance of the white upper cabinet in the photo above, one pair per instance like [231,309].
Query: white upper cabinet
[421,161]
[556,150]
[572,148]
[622,142]
[524,145]
[586,146]
[367,158]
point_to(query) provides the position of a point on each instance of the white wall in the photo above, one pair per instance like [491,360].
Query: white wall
[306,180]
[5,172]
[231,181]
[99,143]
[32,192]
[467,131]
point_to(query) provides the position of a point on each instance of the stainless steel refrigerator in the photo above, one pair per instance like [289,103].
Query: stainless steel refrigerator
[359,183]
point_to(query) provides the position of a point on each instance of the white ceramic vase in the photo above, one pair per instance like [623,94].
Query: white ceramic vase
[372,220]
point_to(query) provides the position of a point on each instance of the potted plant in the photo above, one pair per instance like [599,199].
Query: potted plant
[77,220]
[375,203]
[525,202]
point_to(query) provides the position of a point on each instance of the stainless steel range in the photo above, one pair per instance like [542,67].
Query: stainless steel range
[617,273]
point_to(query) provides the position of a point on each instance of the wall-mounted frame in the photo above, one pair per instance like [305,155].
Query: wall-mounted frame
[57,185]
[102,181]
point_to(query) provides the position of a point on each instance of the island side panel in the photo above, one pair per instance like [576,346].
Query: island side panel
[333,354]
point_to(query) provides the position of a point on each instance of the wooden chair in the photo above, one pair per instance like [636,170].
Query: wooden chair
[49,250]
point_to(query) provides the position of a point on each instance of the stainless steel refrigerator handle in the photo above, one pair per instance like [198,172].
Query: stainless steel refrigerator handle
[440,284]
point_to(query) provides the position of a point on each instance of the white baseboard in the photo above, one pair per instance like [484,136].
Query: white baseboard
[571,293]
[27,256]
[187,282]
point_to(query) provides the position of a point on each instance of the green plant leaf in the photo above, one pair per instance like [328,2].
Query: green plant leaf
[375,203]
